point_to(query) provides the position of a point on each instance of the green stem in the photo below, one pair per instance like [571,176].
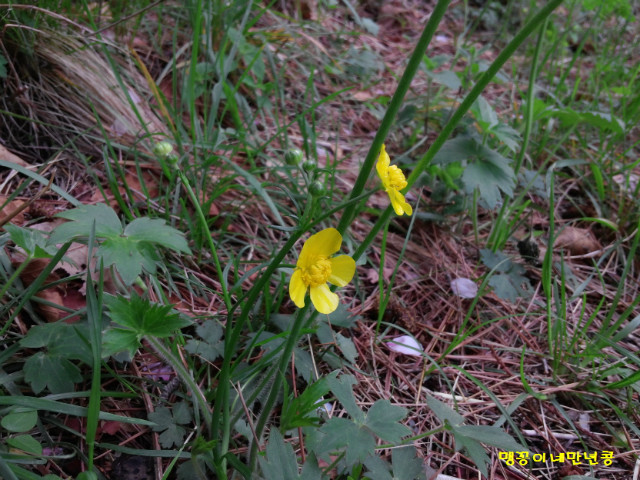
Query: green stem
[394,106]
[279,375]
[233,330]
[477,89]
[205,227]
[185,376]
[533,75]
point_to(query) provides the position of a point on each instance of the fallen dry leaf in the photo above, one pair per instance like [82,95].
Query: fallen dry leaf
[7,156]
[577,241]
[9,208]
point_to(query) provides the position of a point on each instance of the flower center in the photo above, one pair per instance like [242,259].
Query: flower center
[396,178]
[318,273]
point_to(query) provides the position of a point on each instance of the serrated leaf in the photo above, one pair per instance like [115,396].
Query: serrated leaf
[210,347]
[378,468]
[511,282]
[26,443]
[107,223]
[170,424]
[181,413]
[382,419]
[144,317]
[347,347]
[117,340]
[447,78]
[56,373]
[507,135]
[444,412]
[342,389]
[494,436]
[484,113]
[20,419]
[474,449]
[406,464]
[280,461]
[154,230]
[456,150]
[341,434]
[127,256]
[495,260]
[60,339]
[490,174]
[33,242]
[302,410]
[510,286]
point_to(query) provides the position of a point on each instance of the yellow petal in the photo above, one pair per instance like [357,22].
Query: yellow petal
[342,270]
[297,289]
[324,299]
[323,244]
[382,166]
[398,202]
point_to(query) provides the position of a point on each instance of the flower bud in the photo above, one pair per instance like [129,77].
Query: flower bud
[309,166]
[294,156]
[317,189]
[163,149]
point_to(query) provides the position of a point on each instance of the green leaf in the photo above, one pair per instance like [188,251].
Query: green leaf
[512,285]
[20,419]
[82,218]
[511,282]
[33,242]
[61,340]
[490,174]
[210,347]
[474,449]
[3,68]
[342,389]
[302,410]
[43,370]
[382,419]
[447,78]
[170,424]
[484,113]
[280,461]
[26,443]
[347,347]
[342,434]
[129,257]
[486,170]
[144,317]
[471,437]
[117,340]
[157,231]
[507,135]
[490,435]
[406,464]
[444,412]
[600,120]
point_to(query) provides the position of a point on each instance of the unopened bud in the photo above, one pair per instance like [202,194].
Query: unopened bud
[294,156]
[317,189]
[163,149]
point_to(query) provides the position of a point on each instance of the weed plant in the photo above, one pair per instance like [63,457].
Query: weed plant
[226,245]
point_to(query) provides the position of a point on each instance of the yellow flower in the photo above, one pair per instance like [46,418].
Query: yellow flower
[393,181]
[316,267]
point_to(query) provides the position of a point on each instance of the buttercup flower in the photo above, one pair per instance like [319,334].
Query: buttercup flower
[316,267]
[393,181]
